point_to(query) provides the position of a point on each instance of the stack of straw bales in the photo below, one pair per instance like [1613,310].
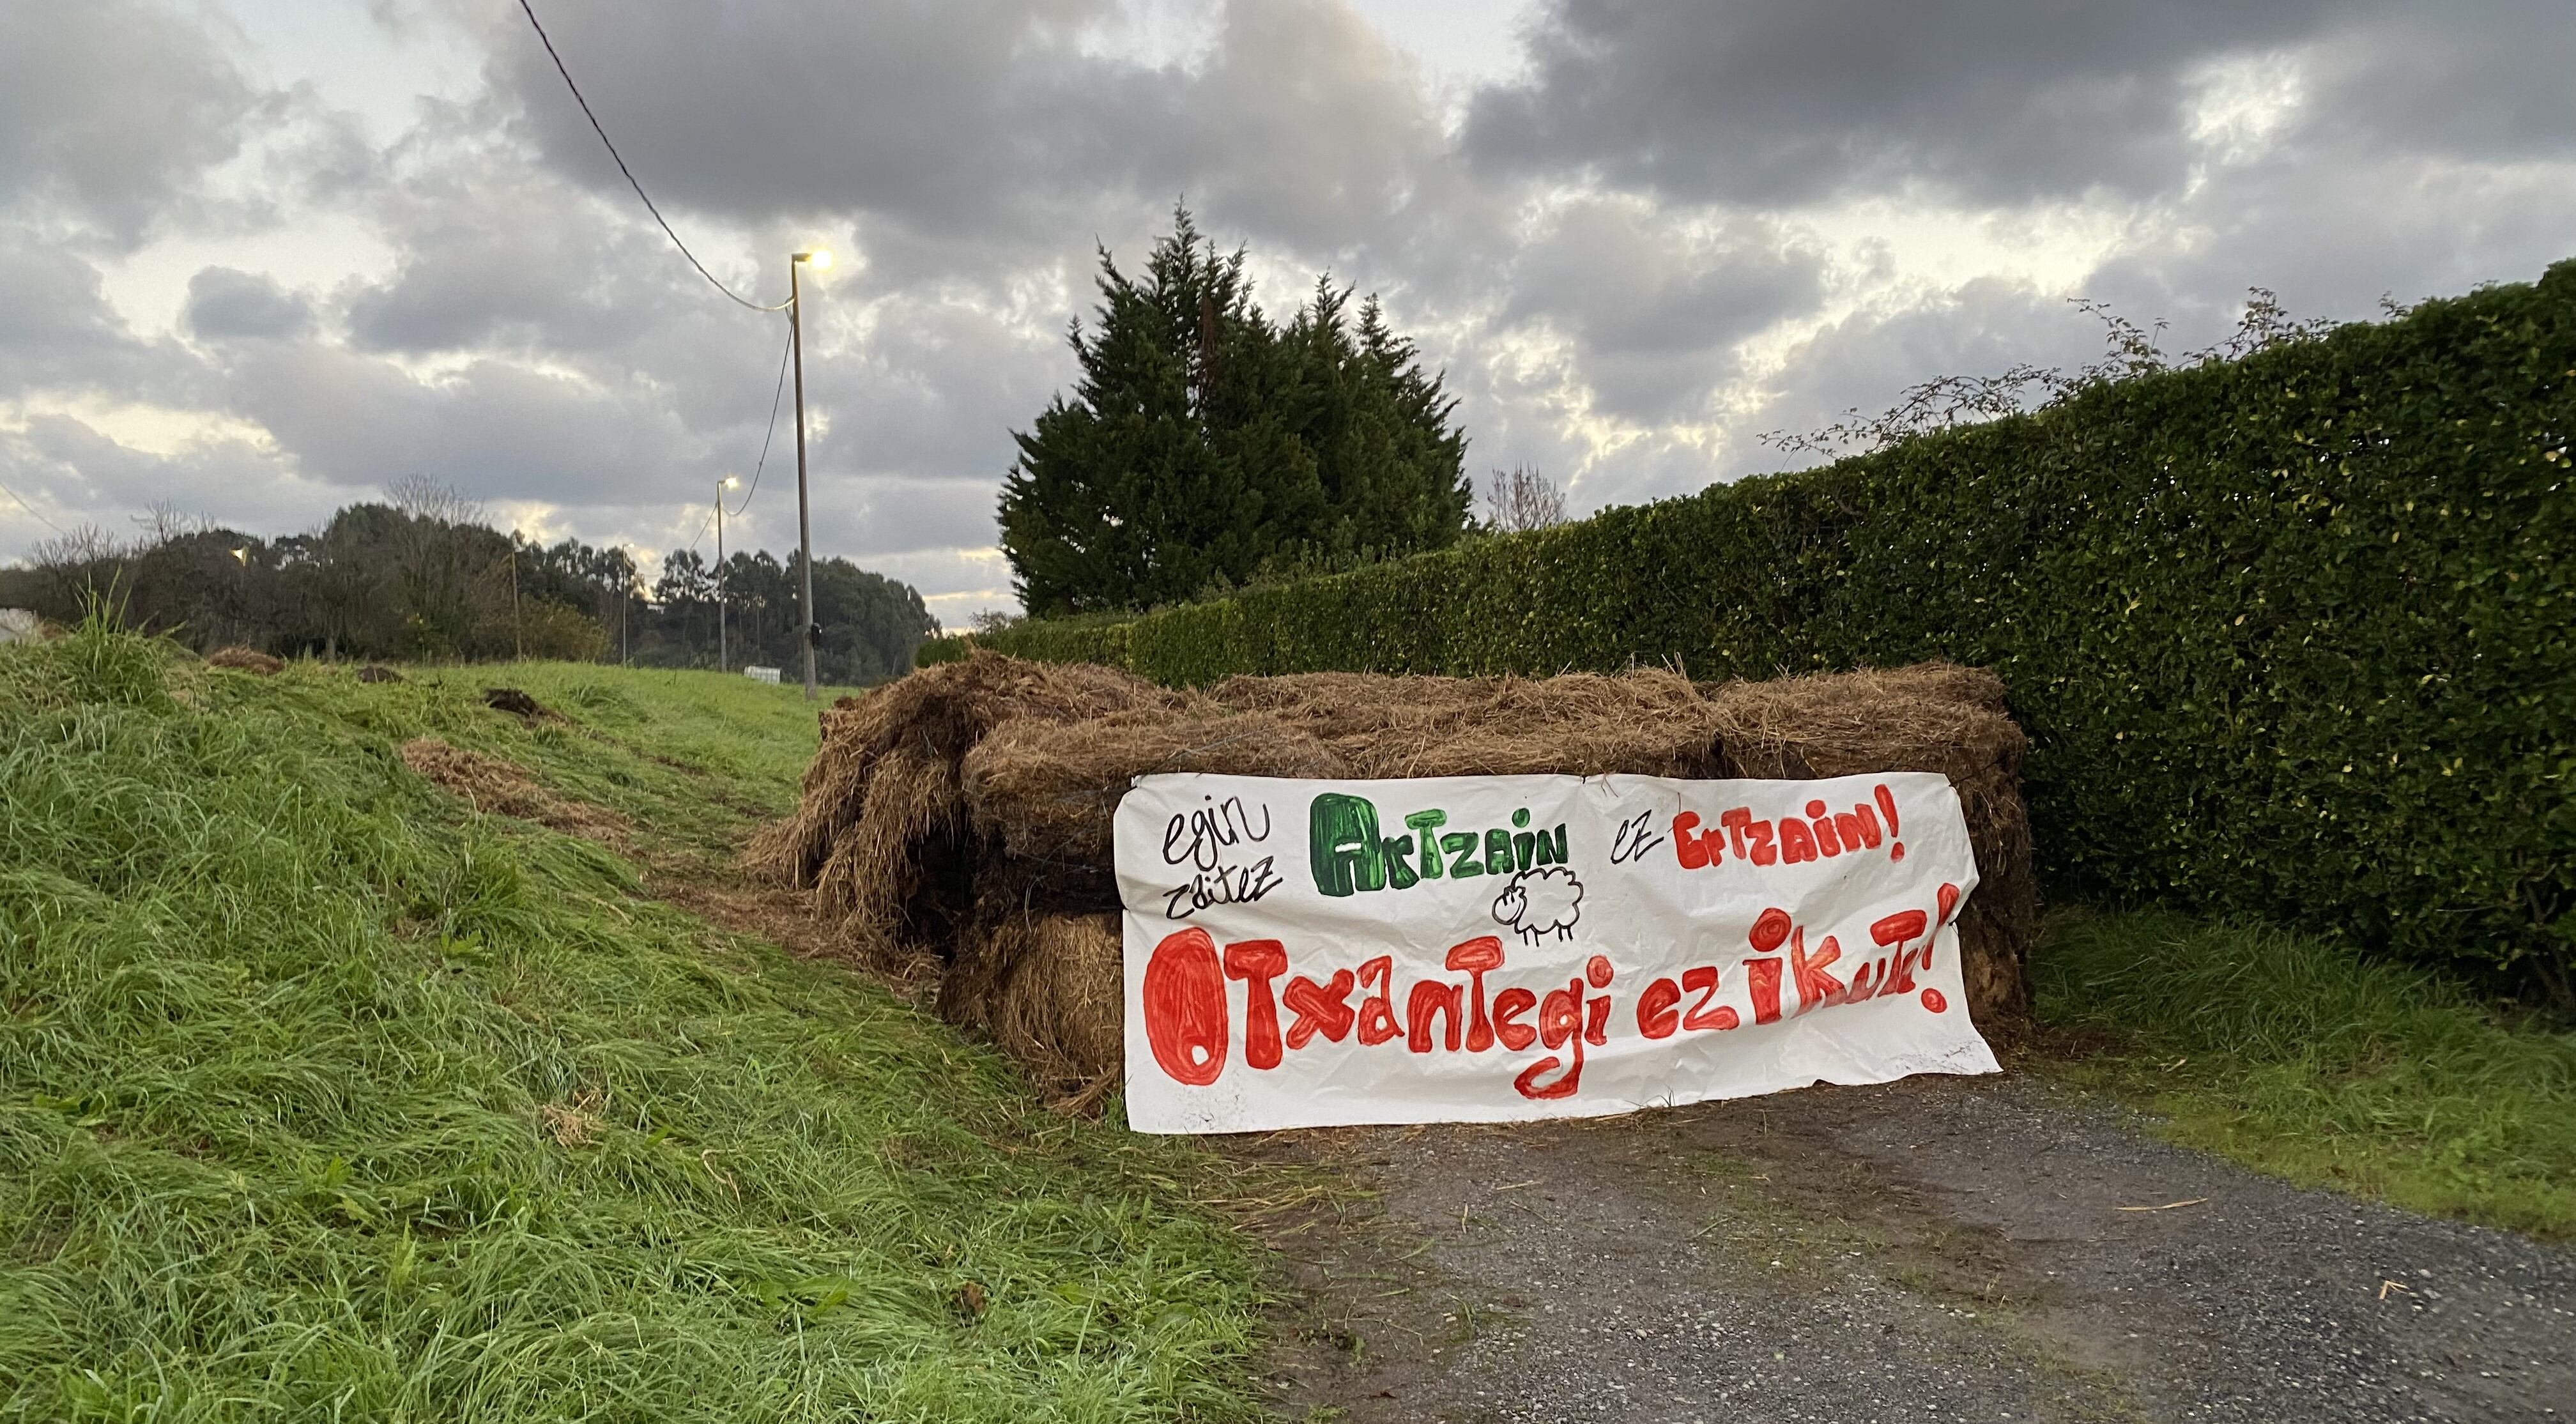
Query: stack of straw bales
[957,822]
[1930,717]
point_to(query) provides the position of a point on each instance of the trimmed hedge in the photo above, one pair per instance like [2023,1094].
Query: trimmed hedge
[2289,635]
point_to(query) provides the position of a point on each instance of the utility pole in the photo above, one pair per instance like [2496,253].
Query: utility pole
[518,628]
[804,518]
[722,485]
[625,595]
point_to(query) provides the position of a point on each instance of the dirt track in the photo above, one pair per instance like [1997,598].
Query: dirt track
[1936,1249]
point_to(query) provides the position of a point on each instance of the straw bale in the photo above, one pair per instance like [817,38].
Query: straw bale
[889,874]
[958,822]
[940,712]
[1939,681]
[1935,718]
[1645,722]
[241,659]
[1050,989]
[1049,791]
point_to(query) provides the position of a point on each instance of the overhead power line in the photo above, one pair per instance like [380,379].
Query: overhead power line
[771,433]
[41,519]
[776,393]
[597,128]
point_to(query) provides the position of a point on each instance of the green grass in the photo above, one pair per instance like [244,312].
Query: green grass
[701,758]
[322,1098]
[758,735]
[2288,1054]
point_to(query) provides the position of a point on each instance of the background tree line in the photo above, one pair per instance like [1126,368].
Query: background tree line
[420,577]
[871,624]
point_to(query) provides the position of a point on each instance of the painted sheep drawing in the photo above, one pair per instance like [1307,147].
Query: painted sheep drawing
[1544,900]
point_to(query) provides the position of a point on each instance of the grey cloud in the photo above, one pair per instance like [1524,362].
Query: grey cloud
[1511,423]
[496,257]
[959,132]
[109,106]
[875,517]
[2000,100]
[934,390]
[1983,325]
[1303,125]
[1654,305]
[2486,83]
[495,429]
[1866,360]
[493,254]
[2333,232]
[948,113]
[314,153]
[59,334]
[1629,279]
[988,144]
[55,325]
[64,461]
[955,583]
[225,302]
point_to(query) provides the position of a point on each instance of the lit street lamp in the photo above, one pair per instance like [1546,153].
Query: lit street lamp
[728,482]
[822,261]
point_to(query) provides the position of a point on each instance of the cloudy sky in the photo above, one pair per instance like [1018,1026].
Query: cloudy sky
[259,258]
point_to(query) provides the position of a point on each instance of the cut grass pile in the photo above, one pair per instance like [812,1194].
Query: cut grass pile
[2288,1054]
[321,1097]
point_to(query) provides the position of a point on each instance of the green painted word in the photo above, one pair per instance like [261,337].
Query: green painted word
[1348,852]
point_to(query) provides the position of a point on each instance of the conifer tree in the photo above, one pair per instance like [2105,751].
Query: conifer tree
[1203,446]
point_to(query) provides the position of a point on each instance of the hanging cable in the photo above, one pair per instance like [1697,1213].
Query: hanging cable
[595,127]
[777,393]
[41,519]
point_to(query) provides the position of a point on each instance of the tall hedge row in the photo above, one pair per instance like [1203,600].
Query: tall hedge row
[2289,635]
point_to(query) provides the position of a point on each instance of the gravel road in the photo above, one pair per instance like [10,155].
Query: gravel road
[1938,1249]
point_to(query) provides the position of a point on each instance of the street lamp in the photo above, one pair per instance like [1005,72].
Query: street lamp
[821,260]
[728,482]
[625,596]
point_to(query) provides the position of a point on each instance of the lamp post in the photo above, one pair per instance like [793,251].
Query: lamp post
[241,556]
[518,625]
[822,261]
[728,482]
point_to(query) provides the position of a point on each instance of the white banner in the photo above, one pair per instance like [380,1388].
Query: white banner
[1485,949]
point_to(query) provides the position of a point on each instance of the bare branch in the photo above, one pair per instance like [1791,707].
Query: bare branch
[2130,351]
[1522,499]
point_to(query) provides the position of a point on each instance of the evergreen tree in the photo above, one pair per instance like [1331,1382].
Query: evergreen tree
[1203,446]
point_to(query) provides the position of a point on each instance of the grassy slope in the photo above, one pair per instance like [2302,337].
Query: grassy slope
[320,1096]
[757,736]
[744,744]
[2289,1055]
